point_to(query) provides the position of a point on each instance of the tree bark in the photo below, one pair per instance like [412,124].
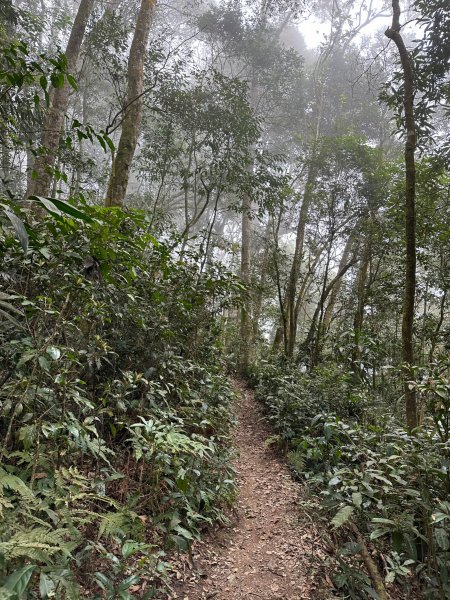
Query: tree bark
[311,343]
[371,566]
[246,245]
[120,171]
[358,319]
[393,33]
[436,332]
[328,316]
[40,183]
[262,280]
[291,291]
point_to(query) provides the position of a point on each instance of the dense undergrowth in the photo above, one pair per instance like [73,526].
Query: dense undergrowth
[114,415]
[373,476]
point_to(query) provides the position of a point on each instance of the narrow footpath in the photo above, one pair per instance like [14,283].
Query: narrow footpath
[271,550]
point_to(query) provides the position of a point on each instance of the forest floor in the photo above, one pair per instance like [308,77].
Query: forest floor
[271,549]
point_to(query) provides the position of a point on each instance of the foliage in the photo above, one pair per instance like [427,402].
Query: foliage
[292,395]
[114,416]
[393,485]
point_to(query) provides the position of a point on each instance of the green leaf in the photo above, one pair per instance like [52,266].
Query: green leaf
[8,317]
[109,141]
[129,581]
[102,580]
[378,533]
[130,547]
[381,478]
[44,363]
[72,82]
[371,592]
[184,532]
[342,516]
[68,209]
[19,228]
[183,484]
[437,517]
[357,499]
[54,352]
[58,207]
[46,585]
[10,307]
[397,541]
[441,538]
[18,581]
[57,80]
[180,542]
[383,520]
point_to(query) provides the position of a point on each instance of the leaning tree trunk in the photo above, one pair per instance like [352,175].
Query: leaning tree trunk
[40,183]
[393,33]
[312,342]
[120,171]
[328,316]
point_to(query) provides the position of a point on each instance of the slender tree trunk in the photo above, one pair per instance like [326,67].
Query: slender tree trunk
[318,316]
[262,280]
[40,183]
[291,291]
[281,331]
[246,245]
[393,33]
[306,283]
[358,319]
[311,337]
[328,316]
[6,162]
[436,332]
[120,171]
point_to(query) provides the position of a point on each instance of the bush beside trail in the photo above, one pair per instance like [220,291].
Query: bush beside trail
[380,480]
[114,414]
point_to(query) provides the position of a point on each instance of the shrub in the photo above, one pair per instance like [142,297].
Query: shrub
[391,484]
[114,416]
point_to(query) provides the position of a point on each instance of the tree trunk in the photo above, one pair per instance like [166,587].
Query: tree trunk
[246,244]
[393,33]
[435,338]
[337,288]
[291,291]
[40,183]
[262,280]
[358,319]
[120,171]
[311,344]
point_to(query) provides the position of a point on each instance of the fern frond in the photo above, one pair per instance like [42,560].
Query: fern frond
[37,544]
[113,523]
[15,484]
[297,461]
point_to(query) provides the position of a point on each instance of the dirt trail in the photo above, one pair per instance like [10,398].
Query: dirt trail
[271,550]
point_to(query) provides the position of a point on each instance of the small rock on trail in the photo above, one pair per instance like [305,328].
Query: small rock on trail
[269,551]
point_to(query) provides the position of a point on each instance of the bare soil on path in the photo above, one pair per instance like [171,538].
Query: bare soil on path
[271,550]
